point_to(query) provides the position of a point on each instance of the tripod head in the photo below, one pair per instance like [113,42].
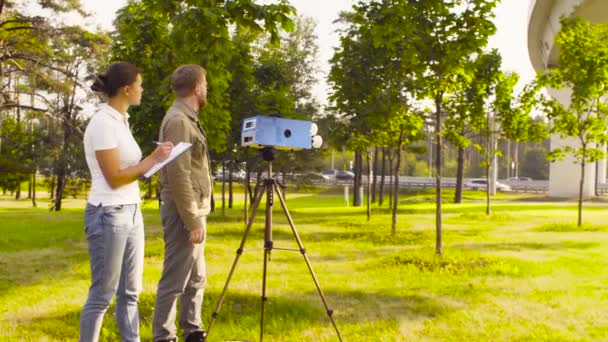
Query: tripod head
[268,153]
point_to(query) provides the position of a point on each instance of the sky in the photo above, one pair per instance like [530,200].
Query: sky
[510,39]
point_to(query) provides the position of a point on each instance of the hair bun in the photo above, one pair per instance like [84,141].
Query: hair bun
[99,84]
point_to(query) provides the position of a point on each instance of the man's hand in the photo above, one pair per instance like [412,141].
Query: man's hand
[199,234]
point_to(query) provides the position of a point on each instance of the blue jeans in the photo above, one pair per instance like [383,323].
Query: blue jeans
[116,248]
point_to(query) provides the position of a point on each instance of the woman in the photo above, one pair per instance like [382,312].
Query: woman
[113,219]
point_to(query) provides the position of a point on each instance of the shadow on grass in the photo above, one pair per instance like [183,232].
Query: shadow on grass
[65,326]
[286,317]
[521,246]
[291,316]
[570,228]
[284,234]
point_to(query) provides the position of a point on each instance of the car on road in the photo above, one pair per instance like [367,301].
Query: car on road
[344,175]
[482,184]
[337,175]
[237,175]
[519,179]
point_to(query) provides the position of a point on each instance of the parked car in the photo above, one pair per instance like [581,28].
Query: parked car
[519,179]
[482,184]
[237,175]
[328,175]
[344,175]
[337,174]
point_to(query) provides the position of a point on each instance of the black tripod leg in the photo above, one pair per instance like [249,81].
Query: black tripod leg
[266,257]
[268,244]
[254,208]
[303,251]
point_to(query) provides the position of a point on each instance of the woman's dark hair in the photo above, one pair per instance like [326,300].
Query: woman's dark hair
[118,75]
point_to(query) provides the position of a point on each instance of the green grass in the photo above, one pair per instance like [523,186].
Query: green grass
[525,273]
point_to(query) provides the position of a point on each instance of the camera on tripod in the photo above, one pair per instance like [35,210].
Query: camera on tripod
[270,133]
[282,134]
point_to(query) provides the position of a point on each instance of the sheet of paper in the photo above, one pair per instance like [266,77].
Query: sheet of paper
[175,152]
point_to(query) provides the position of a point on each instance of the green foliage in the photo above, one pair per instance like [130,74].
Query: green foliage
[467,107]
[158,36]
[535,163]
[49,62]
[583,68]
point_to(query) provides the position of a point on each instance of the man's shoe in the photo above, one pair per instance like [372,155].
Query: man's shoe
[197,336]
[174,339]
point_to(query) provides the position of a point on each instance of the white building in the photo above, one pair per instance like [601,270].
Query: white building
[543,27]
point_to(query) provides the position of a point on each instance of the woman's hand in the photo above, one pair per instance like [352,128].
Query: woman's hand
[162,151]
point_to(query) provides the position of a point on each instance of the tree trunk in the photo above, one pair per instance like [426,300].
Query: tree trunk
[149,193]
[516,159]
[258,183]
[230,190]
[284,181]
[438,246]
[59,193]
[373,174]
[508,159]
[459,176]
[29,188]
[580,188]
[223,188]
[391,173]
[52,188]
[382,177]
[18,190]
[396,191]
[357,200]
[34,189]
[488,161]
[488,210]
[369,184]
[246,196]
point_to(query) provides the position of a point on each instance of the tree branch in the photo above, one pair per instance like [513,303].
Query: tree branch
[21,21]
[47,101]
[16,105]
[18,28]
[7,57]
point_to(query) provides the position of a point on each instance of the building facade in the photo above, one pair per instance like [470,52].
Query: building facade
[543,26]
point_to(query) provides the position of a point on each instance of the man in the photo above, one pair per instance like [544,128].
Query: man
[185,203]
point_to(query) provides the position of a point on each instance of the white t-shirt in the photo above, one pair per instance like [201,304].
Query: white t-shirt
[105,131]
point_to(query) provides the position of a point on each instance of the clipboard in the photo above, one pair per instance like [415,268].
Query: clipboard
[175,152]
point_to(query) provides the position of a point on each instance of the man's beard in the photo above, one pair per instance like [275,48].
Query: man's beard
[202,101]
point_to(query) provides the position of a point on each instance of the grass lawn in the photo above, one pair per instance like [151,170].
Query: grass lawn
[526,273]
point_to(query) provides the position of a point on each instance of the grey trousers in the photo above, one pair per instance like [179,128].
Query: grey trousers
[183,277]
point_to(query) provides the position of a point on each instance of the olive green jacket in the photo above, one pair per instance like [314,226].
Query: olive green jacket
[187,179]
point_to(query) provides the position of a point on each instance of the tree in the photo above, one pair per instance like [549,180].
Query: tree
[15,156]
[372,88]
[535,163]
[582,67]
[443,34]
[26,47]
[404,127]
[158,36]
[467,108]
[47,61]
[353,74]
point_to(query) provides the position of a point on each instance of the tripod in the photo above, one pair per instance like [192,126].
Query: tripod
[269,188]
